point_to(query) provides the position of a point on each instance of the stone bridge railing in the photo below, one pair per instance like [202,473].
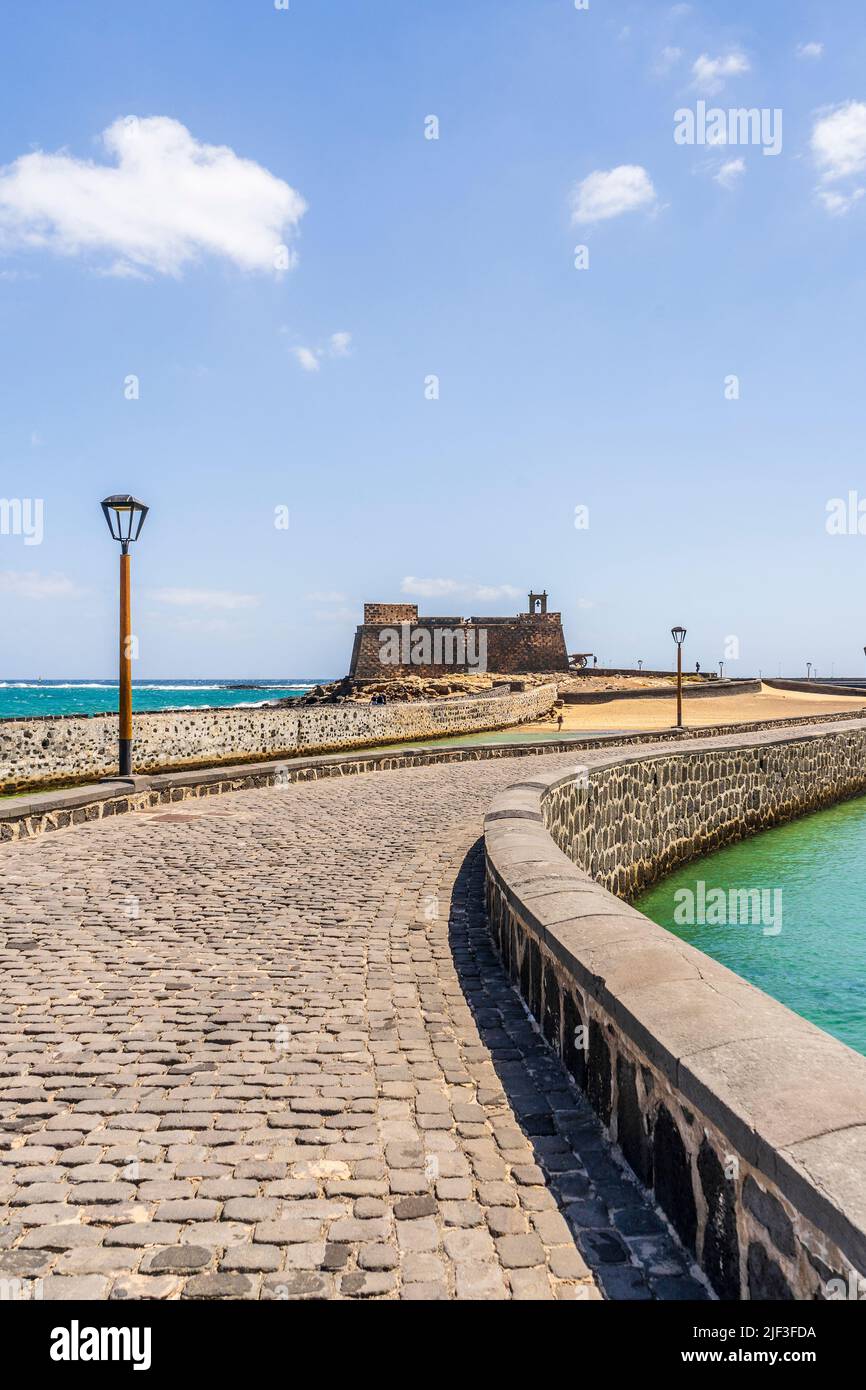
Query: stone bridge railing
[747,1122]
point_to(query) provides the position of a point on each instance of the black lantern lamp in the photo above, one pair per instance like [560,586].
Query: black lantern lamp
[125,517]
[679,636]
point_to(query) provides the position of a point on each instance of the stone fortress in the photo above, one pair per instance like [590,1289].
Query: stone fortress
[393,641]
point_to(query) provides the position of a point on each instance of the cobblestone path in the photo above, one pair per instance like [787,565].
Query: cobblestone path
[260,1047]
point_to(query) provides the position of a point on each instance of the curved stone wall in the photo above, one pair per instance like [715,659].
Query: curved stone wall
[36,752]
[748,1122]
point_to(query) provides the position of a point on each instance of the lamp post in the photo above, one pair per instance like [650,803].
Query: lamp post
[125,518]
[808,670]
[679,636]
[721,669]
[640,663]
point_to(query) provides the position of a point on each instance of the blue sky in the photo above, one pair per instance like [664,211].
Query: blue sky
[412,257]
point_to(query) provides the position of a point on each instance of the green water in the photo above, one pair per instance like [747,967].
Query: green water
[806,943]
[496,736]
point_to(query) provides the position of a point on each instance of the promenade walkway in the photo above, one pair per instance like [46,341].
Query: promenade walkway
[259,1046]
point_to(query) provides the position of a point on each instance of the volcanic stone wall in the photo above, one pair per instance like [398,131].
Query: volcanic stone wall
[526,643]
[36,752]
[748,1122]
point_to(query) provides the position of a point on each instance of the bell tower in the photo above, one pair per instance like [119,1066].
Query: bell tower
[538,604]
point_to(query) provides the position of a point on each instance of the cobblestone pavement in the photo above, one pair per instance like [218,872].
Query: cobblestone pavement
[261,1047]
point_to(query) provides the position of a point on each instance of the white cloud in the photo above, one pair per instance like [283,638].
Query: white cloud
[165,200]
[710,73]
[839,140]
[220,599]
[730,172]
[837,204]
[319,597]
[839,148]
[454,588]
[30,584]
[810,50]
[608,193]
[339,345]
[308,359]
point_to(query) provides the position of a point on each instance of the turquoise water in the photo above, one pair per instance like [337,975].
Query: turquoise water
[23,698]
[497,736]
[807,947]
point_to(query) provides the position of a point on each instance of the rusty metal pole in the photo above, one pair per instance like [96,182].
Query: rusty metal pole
[125,745]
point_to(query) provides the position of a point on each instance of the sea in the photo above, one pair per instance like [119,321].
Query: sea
[23,698]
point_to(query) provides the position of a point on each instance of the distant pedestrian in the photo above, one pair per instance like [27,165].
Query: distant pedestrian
[559,723]
[698,667]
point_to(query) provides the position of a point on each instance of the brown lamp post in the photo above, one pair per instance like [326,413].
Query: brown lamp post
[125,518]
[679,636]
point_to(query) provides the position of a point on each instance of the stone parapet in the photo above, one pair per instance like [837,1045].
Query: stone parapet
[36,752]
[746,1121]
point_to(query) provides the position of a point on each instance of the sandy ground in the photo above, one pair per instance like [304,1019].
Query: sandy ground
[697,713]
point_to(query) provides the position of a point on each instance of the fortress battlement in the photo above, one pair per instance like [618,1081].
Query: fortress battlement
[439,646]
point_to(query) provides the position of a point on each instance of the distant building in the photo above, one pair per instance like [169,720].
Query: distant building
[394,641]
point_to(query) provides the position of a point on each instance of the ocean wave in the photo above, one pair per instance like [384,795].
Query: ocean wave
[112,685]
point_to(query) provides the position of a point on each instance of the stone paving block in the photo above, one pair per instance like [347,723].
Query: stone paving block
[78,1287]
[520,1252]
[480,1280]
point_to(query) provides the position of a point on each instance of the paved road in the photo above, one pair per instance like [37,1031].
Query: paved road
[260,1047]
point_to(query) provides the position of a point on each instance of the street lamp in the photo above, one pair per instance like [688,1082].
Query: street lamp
[125,518]
[808,670]
[679,636]
[640,663]
[721,665]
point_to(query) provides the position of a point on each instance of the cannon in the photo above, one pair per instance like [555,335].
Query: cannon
[577,660]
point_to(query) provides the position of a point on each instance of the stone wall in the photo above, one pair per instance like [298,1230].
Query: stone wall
[36,752]
[528,642]
[692,690]
[748,1122]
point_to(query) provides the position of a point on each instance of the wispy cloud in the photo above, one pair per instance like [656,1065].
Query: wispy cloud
[339,345]
[214,599]
[837,204]
[31,584]
[611,192]
[166,200]
[731,172]
[325,597]
[810,50]
[455,588]
[667,60]
[308,359]
[710,74]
